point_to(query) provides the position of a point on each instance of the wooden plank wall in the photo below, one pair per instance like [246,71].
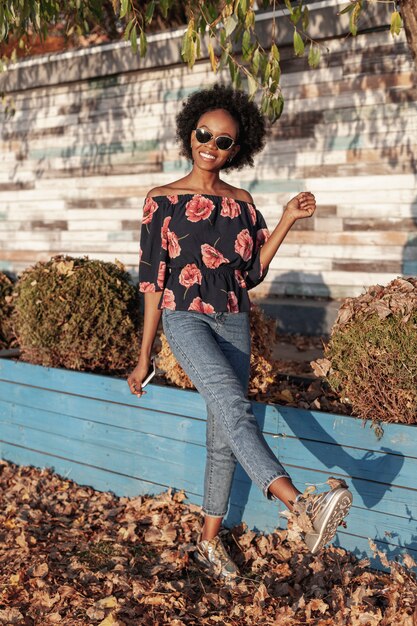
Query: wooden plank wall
[91,429]
[78,157]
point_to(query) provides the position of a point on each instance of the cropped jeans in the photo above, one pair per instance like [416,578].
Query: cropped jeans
[214,351]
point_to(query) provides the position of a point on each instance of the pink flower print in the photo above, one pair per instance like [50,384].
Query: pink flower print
[230,208]
[252,212]
[173,199]
[198,208]
[244,244]
[232,303]
[202,307]
[190,275]
[146,287]
[164,233]
[240,279]
[149,209]
[168,300]
[161,274]
[212,258]
[262,237]
[174,248]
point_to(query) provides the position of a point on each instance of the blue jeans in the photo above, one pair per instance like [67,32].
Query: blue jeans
[214,351]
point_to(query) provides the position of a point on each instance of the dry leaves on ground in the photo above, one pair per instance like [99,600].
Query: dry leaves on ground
[74,556]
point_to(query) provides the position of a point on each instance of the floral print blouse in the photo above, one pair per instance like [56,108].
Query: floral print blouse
[202,252]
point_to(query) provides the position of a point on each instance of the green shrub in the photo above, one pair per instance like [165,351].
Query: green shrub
[6,331]
[371,358]
[78,314]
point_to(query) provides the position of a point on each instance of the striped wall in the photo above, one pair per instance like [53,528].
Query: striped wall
[78,157]
[91,429]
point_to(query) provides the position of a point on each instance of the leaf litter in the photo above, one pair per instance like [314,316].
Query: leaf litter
[74,556]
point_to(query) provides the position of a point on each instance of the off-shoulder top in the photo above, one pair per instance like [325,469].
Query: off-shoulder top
[202,252]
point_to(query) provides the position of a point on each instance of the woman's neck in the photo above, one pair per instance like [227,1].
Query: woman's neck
[200,179]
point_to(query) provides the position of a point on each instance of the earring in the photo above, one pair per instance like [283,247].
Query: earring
[230,159]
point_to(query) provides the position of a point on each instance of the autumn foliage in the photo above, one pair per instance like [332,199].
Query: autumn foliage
[73,556]
[78,314]
[6,332]
[370,359]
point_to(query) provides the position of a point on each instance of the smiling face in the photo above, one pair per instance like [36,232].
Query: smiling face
[208,156]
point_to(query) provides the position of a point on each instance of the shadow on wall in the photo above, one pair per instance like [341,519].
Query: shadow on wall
[304,307]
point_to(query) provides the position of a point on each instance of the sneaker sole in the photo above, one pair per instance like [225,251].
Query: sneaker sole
[338,509]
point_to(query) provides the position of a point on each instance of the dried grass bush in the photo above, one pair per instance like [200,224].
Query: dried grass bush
[79,314]
[7,338]
[371,359]
[263,332]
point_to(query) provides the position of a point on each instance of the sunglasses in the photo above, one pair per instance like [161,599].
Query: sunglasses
[223,142]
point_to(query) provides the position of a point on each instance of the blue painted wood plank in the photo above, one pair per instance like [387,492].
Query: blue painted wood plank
[379,467]
[153,462]
[292,455]
[287,421]
[82,473]
[125,416]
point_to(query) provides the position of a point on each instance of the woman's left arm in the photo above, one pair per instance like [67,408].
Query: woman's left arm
[301,206]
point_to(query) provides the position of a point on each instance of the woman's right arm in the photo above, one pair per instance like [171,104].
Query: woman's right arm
[150,327]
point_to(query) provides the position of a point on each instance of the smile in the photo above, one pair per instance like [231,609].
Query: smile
[207,156]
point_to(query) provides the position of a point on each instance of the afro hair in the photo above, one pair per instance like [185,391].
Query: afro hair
[251,137]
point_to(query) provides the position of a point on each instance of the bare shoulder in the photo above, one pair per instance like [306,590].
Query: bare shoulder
[165,190]
[156,191]
[241,194]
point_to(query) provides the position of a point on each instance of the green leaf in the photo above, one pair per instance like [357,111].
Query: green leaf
[124,5]
[298,44]
[192,55]
[314,55]
[296,14]
[230,24]
[185,47]
[348,9]
[164,4]
[243,6]
[250,19]
[252,86]
[277,108]
[134,40]
[143,44]
[149,12]
[224,59]
[128,28]
[354,16]
[213,59]
[246,46]
[274,52]
[306,18]
[255,62]
[289,7]
[396,23]
[267,73]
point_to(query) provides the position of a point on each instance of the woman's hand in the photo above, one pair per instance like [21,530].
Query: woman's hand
[137,376]
[301,206]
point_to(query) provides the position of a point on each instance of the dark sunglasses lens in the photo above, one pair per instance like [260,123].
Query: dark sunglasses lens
[203,136]
[224,143]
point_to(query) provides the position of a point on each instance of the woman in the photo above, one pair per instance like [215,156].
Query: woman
[203,245]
